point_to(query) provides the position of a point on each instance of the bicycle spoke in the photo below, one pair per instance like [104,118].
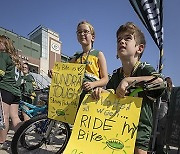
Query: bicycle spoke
[34,137]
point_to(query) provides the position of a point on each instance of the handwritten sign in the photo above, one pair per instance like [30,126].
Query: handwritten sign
[106,126]
[65,90]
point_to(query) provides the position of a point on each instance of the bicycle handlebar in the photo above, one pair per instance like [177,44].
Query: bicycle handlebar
[27,95]
[145,86]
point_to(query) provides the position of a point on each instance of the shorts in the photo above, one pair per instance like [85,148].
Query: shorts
[9,98]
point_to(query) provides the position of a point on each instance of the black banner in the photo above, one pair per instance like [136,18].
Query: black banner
[151,14]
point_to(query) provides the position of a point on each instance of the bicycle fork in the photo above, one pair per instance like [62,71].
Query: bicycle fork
[47,137]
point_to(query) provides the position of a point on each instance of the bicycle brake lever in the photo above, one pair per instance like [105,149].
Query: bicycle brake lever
[141,84]
[145,84]
[131,85]
[155,86]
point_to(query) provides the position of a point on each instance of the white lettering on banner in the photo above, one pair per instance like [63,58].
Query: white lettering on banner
[153,15]
[16,73]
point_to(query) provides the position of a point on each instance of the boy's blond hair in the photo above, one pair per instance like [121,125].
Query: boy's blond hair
[132,29]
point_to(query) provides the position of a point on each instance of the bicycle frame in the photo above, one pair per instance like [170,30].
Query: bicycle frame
[33,109]
[136,91]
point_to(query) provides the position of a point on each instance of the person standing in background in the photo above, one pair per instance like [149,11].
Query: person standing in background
[162,119]
[10,80]
[28,85]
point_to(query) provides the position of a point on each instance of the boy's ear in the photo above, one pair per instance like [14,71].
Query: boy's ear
[140,48]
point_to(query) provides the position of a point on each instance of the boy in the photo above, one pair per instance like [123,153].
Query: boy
[130,46]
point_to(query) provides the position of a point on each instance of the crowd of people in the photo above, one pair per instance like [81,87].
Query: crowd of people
[16,83]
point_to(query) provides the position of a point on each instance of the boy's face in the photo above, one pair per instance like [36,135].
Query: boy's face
[25,69]
[126,46]
[84,35]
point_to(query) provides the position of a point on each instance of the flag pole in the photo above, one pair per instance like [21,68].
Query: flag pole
[160,61]
[158,104]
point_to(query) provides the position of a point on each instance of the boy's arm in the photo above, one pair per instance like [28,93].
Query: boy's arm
[121,89]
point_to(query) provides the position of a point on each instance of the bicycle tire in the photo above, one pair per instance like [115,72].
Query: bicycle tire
[30,137]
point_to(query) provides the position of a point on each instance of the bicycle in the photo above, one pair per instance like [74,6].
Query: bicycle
[39,131]
[145,86]
[32,110]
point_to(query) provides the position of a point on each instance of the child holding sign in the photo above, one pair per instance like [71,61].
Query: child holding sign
[96,69]
[10,76]
[130,46]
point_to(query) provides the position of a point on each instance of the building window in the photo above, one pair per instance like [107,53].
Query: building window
[44,44]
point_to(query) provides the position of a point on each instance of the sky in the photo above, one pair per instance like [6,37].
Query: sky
[62,16]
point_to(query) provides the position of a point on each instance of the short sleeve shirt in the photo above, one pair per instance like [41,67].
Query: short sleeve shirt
[10,75]
[144,69]
[28,84]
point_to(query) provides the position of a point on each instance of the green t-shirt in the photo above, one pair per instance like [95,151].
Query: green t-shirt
[146,116]
[10,76]
[28,84]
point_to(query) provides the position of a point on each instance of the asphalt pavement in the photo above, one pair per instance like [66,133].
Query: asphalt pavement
[173,150]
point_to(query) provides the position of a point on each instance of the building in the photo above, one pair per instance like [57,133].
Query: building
[28,50]
[41,50]
[50,46]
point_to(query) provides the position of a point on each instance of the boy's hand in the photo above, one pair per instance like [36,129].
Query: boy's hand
[50,73]
[121,89]
[88,86]
[96,93]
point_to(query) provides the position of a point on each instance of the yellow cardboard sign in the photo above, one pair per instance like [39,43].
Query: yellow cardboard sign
[65,90]
[107,126]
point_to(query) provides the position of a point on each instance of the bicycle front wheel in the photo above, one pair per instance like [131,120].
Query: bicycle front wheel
[40,135]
